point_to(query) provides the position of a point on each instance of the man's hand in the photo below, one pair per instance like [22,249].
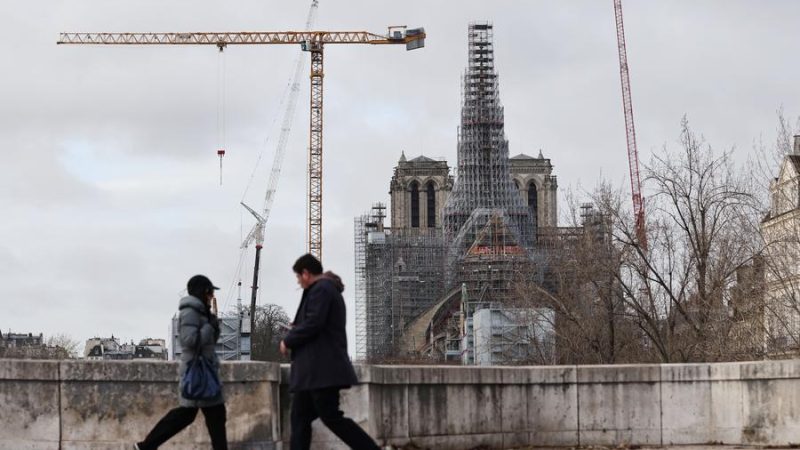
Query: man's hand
[284,349]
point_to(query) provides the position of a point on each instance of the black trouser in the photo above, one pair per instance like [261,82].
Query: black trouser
[180,418]
[324,404]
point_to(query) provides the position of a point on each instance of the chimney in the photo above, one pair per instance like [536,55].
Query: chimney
[797,144]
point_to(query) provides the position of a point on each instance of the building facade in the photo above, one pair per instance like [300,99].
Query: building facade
[112,349]
[781,231]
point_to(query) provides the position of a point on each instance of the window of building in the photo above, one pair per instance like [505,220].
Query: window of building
[533,199]
[431,205]
[414,204]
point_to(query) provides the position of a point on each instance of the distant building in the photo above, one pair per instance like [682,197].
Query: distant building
[29,346]
[781,231]
[234,338]
[111,349]
[504,335]
[17,340]
[102,348]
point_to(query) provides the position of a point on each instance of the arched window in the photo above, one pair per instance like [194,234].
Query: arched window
[533,199]
[431,205]
[414,204]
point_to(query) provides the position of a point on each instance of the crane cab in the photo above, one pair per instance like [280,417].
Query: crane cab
[414,37]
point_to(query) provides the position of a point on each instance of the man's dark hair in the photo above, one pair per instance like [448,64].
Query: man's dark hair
[307,262]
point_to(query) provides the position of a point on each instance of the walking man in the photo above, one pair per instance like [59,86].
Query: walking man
[321,367]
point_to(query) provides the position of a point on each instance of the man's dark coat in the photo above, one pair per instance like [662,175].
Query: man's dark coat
[318,340]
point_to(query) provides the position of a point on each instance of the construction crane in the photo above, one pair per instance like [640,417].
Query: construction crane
[310,41]
[257,232]
[630,131]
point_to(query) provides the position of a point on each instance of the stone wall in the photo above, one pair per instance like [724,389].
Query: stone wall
[109,404]
[751,403]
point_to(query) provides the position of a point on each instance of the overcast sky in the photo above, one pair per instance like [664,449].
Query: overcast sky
[109,178]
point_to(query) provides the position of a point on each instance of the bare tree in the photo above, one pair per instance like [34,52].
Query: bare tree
[581,300]
[270,321]
[702,223]
[64,341]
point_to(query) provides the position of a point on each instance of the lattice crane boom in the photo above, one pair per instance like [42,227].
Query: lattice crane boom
[630,130]
[238,38]
[257,233]
[311,41]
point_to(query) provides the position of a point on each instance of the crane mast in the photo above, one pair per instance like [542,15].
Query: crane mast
[257,233]
[630,131]
[311,41]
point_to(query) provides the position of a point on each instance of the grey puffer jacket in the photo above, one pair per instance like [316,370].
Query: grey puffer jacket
[191,318]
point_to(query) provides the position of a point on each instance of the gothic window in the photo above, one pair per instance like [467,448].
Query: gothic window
[431,205]
[414,204]
[533,199]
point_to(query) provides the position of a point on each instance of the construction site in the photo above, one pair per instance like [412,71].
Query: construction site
[442,282]
[449,278]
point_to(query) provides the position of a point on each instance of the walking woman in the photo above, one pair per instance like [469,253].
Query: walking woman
[199,331]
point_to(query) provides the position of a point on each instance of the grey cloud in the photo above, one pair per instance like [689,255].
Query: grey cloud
[109,253]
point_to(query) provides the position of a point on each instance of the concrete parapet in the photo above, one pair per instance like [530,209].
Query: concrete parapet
[108,404]
[105,405]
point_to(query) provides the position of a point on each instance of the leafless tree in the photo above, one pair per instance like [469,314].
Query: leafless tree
[581,302]
[269,330]
[64,341]
[702,228]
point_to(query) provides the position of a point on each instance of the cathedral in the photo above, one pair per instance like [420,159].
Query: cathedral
[439,281]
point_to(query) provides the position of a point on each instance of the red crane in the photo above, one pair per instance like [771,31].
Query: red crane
[630,131]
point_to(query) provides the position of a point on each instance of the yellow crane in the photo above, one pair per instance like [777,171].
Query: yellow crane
[310,41]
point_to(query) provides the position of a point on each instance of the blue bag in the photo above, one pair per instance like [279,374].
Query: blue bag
[200,381]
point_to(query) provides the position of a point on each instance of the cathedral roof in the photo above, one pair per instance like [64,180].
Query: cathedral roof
[422,159]
[522,156]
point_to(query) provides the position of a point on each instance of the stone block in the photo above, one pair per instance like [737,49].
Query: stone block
[619,405]
[29,397]
[539,375]
[394,411]
[105,404]
[769,370]
[698,403]
[771,411]
[553,414]
[453,409]
[354,403]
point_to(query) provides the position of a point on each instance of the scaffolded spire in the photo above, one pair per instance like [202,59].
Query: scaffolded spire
[484,189]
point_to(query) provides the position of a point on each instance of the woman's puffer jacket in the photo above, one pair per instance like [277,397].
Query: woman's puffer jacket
[192,317]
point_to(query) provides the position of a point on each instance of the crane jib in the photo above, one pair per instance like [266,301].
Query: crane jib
[242,38]
[413,38]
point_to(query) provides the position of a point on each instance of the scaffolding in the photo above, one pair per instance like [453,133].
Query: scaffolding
[360,238]
[483,188]
[487,243]
[399,275]
[368,230]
